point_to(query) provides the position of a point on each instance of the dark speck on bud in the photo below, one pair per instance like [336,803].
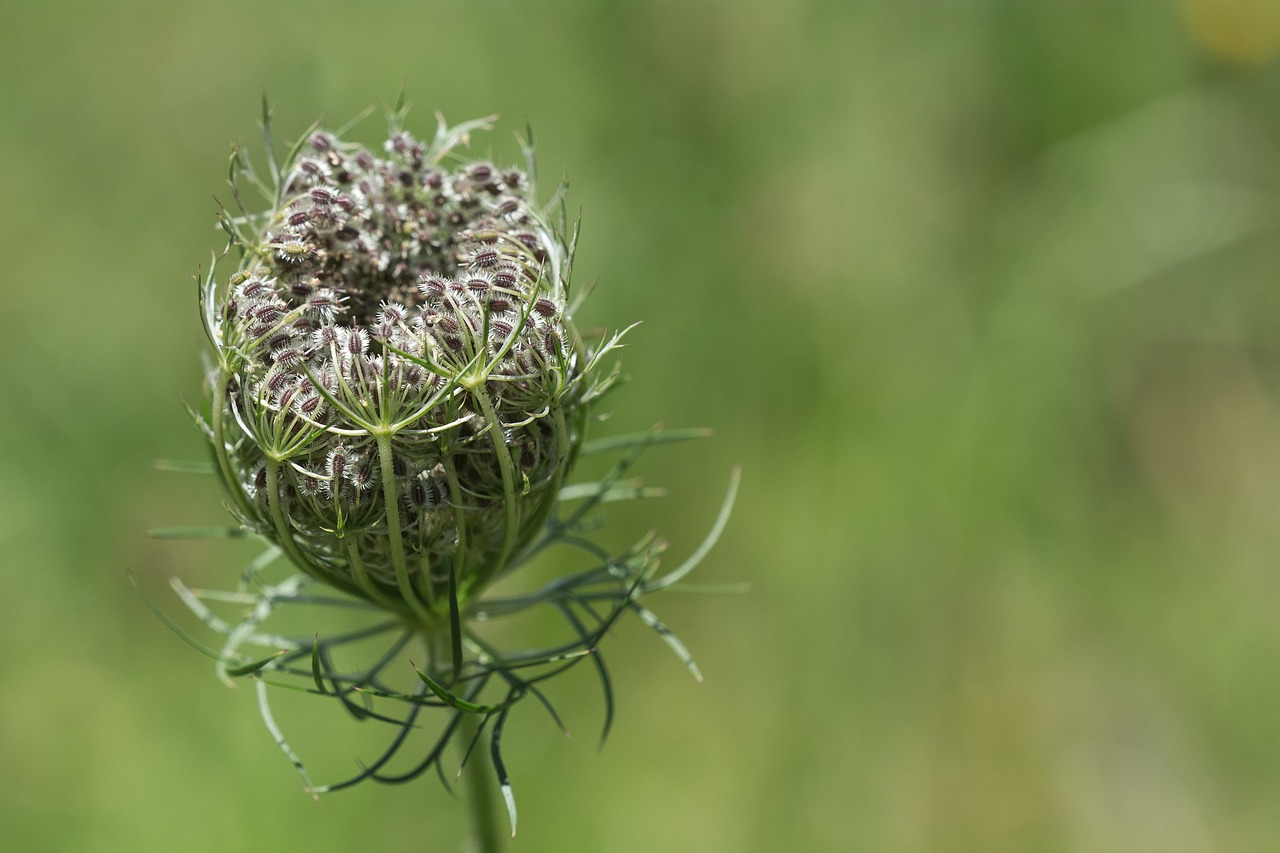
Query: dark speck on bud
[400,143]
[252,288]
[392,313]
[362,477]
[501,329]
[337,462]
[309,406]
[287,356]
[485,257]
[325,337]
[277,381]
[504,277]
[357,341]
[268,313]
[431,285]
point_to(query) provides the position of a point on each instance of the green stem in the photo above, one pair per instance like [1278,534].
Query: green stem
[285,535]
[392,506]
[460,566]
[361,574]
[507,468]
[216,416]
[567,446]
[482,805]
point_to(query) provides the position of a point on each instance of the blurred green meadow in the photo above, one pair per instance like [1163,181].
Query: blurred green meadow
[981,295]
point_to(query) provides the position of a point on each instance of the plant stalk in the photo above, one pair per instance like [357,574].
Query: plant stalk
[481,790]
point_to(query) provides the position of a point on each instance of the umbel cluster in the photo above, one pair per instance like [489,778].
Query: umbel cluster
[399,390]
[396,397]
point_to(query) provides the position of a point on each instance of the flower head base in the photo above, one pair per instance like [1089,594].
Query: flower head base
[399,390]
[397,398]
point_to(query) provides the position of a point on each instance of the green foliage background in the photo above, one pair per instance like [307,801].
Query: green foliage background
[982,296]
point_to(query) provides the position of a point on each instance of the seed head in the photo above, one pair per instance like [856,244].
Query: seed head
[398,395]
[370,337]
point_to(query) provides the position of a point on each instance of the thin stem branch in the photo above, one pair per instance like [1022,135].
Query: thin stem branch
[395,537]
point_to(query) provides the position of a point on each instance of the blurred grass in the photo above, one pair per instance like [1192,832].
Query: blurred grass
[981,295]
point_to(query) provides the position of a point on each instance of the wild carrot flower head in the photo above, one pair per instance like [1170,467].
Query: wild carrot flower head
[397,397]
[399,390]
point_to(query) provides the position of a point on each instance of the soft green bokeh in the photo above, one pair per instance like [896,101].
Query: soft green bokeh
[982,296]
